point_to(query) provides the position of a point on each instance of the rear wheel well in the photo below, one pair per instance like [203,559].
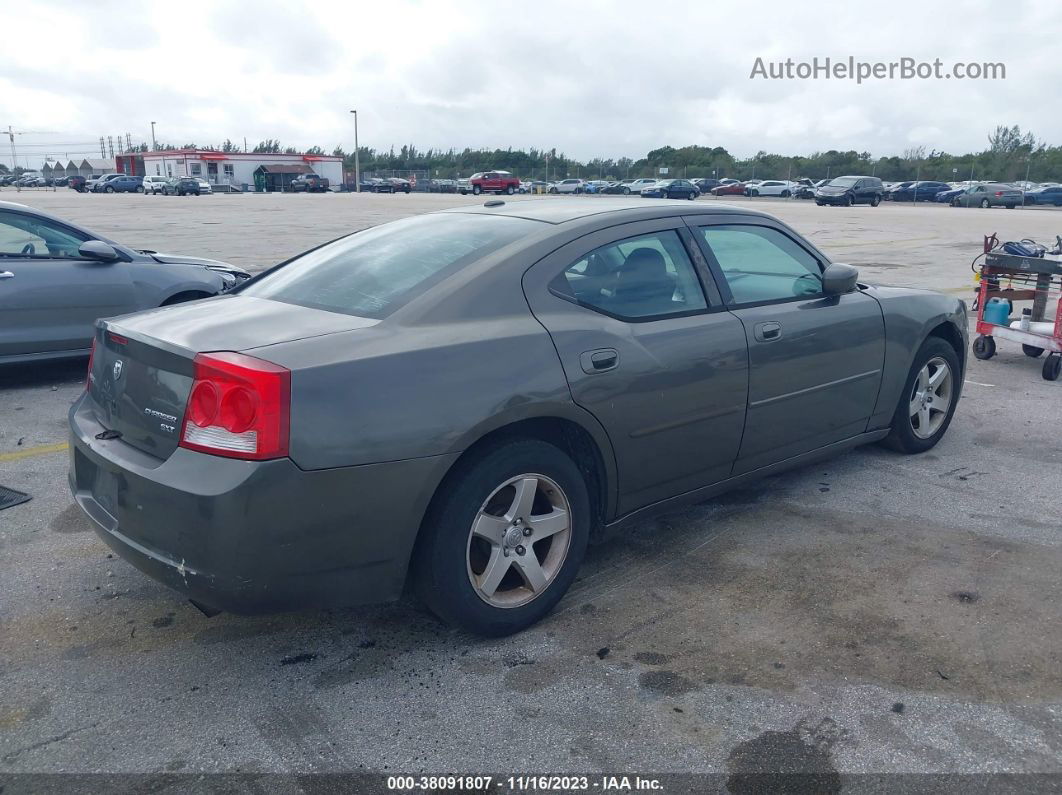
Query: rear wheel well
[570,437]
[947,332]
[188,295]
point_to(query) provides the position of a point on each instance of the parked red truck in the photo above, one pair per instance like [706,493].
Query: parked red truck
[494,181]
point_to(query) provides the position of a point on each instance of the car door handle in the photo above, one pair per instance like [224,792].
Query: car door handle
[6,275]
[599,361]
[768,332]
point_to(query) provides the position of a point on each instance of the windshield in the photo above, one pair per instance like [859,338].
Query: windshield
[372,273]
[843,182]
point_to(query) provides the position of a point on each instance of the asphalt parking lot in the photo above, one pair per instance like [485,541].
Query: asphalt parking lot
[871,614]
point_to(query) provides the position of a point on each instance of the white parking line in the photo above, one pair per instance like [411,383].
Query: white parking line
[977,383]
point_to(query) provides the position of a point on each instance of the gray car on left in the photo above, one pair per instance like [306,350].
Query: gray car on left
[57,279]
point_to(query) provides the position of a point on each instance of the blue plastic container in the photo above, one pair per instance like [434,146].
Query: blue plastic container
[997,312]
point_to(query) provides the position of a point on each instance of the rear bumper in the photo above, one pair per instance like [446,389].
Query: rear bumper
[253,537]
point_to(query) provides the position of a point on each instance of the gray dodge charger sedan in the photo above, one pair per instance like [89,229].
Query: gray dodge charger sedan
[457,400]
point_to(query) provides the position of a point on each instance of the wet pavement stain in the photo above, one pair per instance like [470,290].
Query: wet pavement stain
[71,520]
[794,761]
[665,683]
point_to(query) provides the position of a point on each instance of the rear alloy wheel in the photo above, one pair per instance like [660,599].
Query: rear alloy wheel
[108,189]
[140,189]
[504,538]
[984,204]
[510,190]
[476,190]
[875,201]
[626,191]
[928,401]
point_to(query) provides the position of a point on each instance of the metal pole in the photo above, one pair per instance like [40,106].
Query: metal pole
[14,162]
[914,188]
[154,145]
[357,156]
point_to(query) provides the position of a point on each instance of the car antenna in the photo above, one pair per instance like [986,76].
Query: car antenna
[493,203]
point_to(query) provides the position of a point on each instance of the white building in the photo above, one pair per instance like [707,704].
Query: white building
[275,171]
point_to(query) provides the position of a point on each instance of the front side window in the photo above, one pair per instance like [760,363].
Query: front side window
[372,273]
[640,278]
[762,264]
[27,236]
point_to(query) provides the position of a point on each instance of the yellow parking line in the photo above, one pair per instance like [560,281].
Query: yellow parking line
[29,452]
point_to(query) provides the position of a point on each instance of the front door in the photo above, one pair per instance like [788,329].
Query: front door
[815,360]
[649,352]
[50,297]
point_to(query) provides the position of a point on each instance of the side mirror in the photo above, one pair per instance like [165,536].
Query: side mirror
[98,250]
[838,279]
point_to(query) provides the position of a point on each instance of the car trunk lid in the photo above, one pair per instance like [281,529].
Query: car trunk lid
[142,366]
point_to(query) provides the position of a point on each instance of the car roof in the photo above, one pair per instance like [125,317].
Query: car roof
[559,211]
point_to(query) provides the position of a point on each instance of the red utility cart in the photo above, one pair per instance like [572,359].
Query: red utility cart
[1036,279]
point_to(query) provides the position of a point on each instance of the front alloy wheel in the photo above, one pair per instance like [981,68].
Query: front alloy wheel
[927,404]
[930,398]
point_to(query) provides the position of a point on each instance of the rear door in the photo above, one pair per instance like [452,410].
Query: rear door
[649,352]
[815,360]
[49,295]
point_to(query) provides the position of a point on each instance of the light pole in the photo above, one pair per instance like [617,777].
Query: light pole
[357,156]
[154,145]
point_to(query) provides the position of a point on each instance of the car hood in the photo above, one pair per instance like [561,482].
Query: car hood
[180,259]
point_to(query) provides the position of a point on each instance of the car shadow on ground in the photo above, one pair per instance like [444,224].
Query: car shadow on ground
[38,374]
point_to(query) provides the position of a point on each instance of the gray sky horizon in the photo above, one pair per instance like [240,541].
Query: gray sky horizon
[593,79]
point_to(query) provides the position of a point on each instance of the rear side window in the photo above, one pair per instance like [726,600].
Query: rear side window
[640,278]
[372,273]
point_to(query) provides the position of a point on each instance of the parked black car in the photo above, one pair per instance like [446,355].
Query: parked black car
[310,183]
[181,186]
[399,185]
[922,191]
[672,189]
[851,190]
[705,185]
[442,186]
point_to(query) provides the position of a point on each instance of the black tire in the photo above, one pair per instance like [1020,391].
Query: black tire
[956,203]
[510,190]
[1032,351]
[754,193]
[476,190]
[785,194]
[901,436]
[1052,367]
[108,189]
[985,204]
[875,201]
[140,189]
[1011,206]
[819,204]
[848,201]
[626,191]
[554,190]
[441,564]
[984,348]
[690,196]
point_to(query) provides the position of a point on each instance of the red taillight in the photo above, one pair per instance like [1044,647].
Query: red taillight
[238,407]
[92,355]
[999,193]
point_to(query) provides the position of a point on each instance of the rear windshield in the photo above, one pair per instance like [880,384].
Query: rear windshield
[372,273]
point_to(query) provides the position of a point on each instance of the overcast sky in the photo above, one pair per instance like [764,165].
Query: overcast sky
[589,78]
